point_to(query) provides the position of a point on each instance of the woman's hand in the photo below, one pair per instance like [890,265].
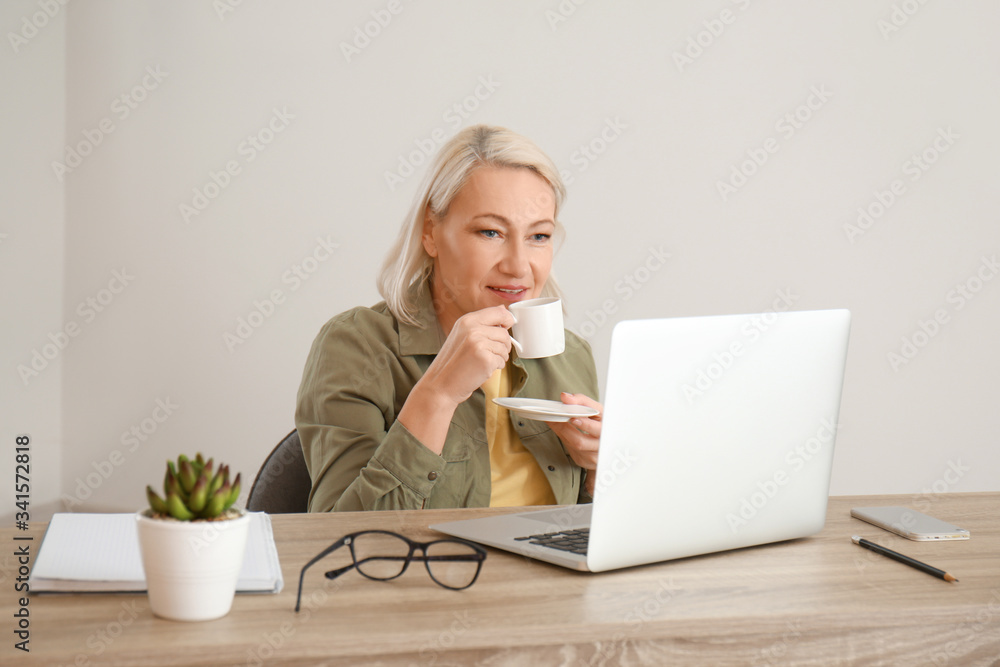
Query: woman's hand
[581,435]
[477,345]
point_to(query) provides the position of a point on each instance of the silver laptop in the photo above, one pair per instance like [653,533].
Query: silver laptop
[718,433]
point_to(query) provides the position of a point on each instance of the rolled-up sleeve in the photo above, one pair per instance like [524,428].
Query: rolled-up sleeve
[359,456]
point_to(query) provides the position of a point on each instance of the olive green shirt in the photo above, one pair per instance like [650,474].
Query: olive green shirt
[361,368]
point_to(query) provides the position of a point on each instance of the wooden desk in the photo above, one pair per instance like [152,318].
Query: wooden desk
[816,601]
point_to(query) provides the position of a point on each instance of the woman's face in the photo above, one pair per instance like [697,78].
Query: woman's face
[494,246]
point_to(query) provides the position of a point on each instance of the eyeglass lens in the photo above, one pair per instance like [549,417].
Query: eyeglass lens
[380,555]
[452,573]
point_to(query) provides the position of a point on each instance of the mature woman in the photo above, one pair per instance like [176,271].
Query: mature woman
[394,410]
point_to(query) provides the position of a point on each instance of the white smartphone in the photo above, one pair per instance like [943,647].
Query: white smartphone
[911,524]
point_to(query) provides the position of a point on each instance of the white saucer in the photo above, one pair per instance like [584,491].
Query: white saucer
[545,411]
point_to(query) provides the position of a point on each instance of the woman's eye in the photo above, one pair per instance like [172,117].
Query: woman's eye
[489,233]
[540,238]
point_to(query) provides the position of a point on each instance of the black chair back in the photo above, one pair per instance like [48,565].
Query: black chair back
[282,485]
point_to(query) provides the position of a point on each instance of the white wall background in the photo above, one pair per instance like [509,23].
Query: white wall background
[32,248]
[886,80]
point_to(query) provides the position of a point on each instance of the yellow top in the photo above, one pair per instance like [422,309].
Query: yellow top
[515,475]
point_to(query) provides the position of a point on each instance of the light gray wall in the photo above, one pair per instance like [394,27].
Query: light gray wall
[32,253]
[646,107]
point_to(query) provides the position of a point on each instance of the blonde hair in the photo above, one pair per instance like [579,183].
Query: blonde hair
[477,146]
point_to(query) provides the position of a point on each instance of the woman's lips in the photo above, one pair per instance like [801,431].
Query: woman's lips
[509,293]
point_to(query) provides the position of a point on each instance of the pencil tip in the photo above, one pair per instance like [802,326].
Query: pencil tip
[950,577]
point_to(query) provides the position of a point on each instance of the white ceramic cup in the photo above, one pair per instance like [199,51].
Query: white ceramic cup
[539,328]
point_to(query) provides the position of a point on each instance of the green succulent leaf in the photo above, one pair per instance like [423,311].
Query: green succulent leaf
[178,509]
[174,486]
[217,503]
[171,472]
[234,493]
[188,476]
[199,495]
[156,503]
[221,477]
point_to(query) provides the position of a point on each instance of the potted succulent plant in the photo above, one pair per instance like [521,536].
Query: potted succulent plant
[192,541]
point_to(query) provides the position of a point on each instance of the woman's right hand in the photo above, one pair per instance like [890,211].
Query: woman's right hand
[477,345]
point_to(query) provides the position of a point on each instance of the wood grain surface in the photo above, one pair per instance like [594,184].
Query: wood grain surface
[815,601]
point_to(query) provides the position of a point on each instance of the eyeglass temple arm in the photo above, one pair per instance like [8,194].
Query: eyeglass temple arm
[333,574]
[323,554]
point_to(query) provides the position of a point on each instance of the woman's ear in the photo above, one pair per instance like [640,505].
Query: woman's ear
[427,238]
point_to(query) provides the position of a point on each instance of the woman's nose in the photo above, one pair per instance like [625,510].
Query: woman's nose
[515,260]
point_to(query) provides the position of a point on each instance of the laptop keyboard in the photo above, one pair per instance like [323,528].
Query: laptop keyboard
[573,541]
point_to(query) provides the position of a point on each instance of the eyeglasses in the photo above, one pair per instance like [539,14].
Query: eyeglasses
[382,555]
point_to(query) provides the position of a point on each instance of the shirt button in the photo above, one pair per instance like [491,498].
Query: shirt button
[552,468]
[432,475]
[520,423]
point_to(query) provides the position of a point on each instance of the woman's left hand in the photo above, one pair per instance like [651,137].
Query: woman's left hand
[581,435]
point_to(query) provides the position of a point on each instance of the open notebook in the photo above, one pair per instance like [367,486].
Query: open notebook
[99,553]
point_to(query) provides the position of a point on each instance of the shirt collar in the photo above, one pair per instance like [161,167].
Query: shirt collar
[425,339]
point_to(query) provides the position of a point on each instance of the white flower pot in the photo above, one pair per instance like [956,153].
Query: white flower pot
[192,566]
